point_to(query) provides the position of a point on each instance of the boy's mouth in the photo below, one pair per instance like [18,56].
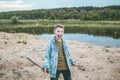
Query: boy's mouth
[59,36]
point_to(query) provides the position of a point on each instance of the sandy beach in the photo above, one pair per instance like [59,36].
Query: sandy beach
[96,62]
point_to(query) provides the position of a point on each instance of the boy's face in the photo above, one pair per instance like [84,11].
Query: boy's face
[59,32]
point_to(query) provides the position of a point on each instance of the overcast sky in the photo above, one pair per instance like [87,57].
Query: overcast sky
[10,5]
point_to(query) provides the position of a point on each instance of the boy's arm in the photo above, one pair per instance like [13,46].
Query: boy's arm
[72,61]
[46,65]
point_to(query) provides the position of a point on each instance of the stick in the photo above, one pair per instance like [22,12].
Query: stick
[34,62]
[28,58]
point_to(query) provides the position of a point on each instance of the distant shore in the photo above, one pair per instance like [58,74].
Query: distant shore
[103,28]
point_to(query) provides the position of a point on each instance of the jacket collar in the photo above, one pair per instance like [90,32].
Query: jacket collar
[54,39]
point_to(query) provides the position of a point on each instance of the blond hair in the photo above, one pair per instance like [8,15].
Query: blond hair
[58,25]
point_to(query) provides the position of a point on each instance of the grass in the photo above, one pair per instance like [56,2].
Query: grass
[51,23]
[109,28]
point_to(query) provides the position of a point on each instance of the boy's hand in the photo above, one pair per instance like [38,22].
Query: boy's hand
[44,70]
[45,74]
[77,64]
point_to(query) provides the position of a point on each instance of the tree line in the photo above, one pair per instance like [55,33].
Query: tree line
[81,13]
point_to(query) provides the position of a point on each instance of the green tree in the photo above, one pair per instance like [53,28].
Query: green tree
[14,19]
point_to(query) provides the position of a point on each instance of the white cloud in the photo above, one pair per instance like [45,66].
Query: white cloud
[14,5]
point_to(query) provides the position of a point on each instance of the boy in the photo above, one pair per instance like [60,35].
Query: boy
[57,58]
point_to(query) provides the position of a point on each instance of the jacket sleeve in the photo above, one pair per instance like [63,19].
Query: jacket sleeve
[72,61]
[46,64]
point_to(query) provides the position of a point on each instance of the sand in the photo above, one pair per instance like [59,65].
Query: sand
[96,62]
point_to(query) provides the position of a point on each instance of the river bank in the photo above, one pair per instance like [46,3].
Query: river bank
[97,62]
[98,28]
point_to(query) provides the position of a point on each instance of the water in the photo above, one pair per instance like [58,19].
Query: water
[97,40]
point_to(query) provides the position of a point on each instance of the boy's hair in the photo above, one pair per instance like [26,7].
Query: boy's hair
[58,25]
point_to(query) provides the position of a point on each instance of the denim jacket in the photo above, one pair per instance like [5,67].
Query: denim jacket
[51,57]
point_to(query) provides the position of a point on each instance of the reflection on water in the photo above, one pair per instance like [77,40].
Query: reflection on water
[97,40]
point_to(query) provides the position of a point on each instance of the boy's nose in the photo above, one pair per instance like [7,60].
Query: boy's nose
[60,33]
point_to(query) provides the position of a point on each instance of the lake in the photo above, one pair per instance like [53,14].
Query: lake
[85,38]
